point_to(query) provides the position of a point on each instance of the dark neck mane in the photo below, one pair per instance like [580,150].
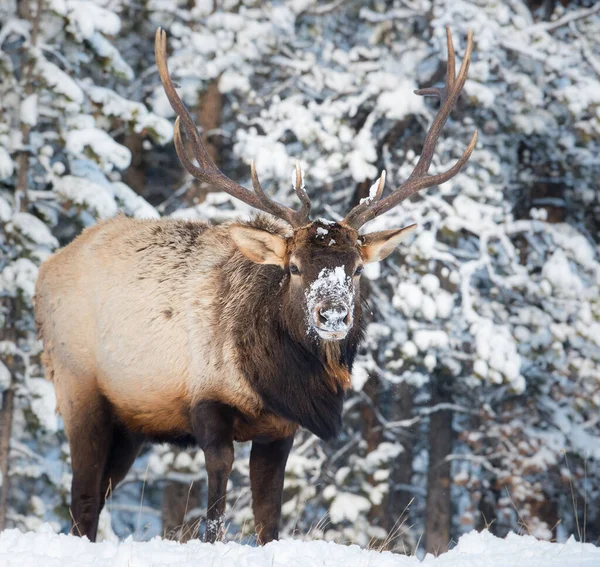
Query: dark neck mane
[298,377]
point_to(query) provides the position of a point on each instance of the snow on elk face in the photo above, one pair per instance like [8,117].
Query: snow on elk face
[330,304]
[325,266]
[322,263]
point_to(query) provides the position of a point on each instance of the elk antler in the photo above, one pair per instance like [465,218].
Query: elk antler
[372,207]
[208,171]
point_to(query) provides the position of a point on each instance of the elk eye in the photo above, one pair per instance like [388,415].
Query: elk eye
[294,269]
[359,270]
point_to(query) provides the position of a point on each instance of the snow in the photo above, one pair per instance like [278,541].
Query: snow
[430,362]
[59,81]
[4,377]
[43,403]
[400,102]
[347,507]
[332,283]
[408,298]
[430,283]
[106,50]
[29,110]
[572,241]
[107,151]
[472,550]
[34,229]
[325,221]
[409,348]
[372,271]
[84,192]
[360,160]
[7,166]
[19,276]
[483,95]
[384,454]
[559,274]
[428,308]
[231,81]
[480,368]
[373,190]
[496,346]
[144,120]
[444,303]
[133,203]
[426,339]
[86,17]
[360,376]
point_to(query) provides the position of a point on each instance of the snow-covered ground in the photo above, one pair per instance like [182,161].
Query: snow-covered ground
[473,550]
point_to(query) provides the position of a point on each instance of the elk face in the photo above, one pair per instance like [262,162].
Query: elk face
[324,261]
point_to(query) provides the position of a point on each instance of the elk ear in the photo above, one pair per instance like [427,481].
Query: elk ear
[259,245]
[377,245]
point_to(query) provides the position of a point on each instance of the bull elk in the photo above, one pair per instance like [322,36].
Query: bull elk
[178,331]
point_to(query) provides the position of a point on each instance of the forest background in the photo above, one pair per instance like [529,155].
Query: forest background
[476,395]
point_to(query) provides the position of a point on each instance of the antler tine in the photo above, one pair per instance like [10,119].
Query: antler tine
[160,54]
[419,179]
[448,96]
[208,171]
[367,201]
[303,214]
[295,218]
[273,207]
[181,153]
[451,67]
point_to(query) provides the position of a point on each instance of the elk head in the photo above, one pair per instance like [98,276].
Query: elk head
[324,259]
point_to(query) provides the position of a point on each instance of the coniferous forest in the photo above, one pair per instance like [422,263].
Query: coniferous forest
[476,394]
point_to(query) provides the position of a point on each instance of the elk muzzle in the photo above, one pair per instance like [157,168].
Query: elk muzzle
[332,321]
[330,304]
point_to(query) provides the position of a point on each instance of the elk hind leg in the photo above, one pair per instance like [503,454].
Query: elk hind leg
[89,430]
[124,448]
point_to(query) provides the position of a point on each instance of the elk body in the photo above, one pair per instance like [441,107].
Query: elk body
[185,332]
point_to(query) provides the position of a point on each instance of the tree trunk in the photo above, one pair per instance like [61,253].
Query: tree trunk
[372,435]
[135,174]
[5,431]
[8,333]
[24,11]
[399,496]
[370,432]
[438,506]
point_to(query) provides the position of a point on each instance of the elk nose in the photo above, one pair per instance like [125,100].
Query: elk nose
[332,316]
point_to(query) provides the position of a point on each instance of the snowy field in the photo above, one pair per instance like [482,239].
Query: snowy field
[48,549]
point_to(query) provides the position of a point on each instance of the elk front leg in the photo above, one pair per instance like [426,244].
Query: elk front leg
[267,470]
[212,423]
